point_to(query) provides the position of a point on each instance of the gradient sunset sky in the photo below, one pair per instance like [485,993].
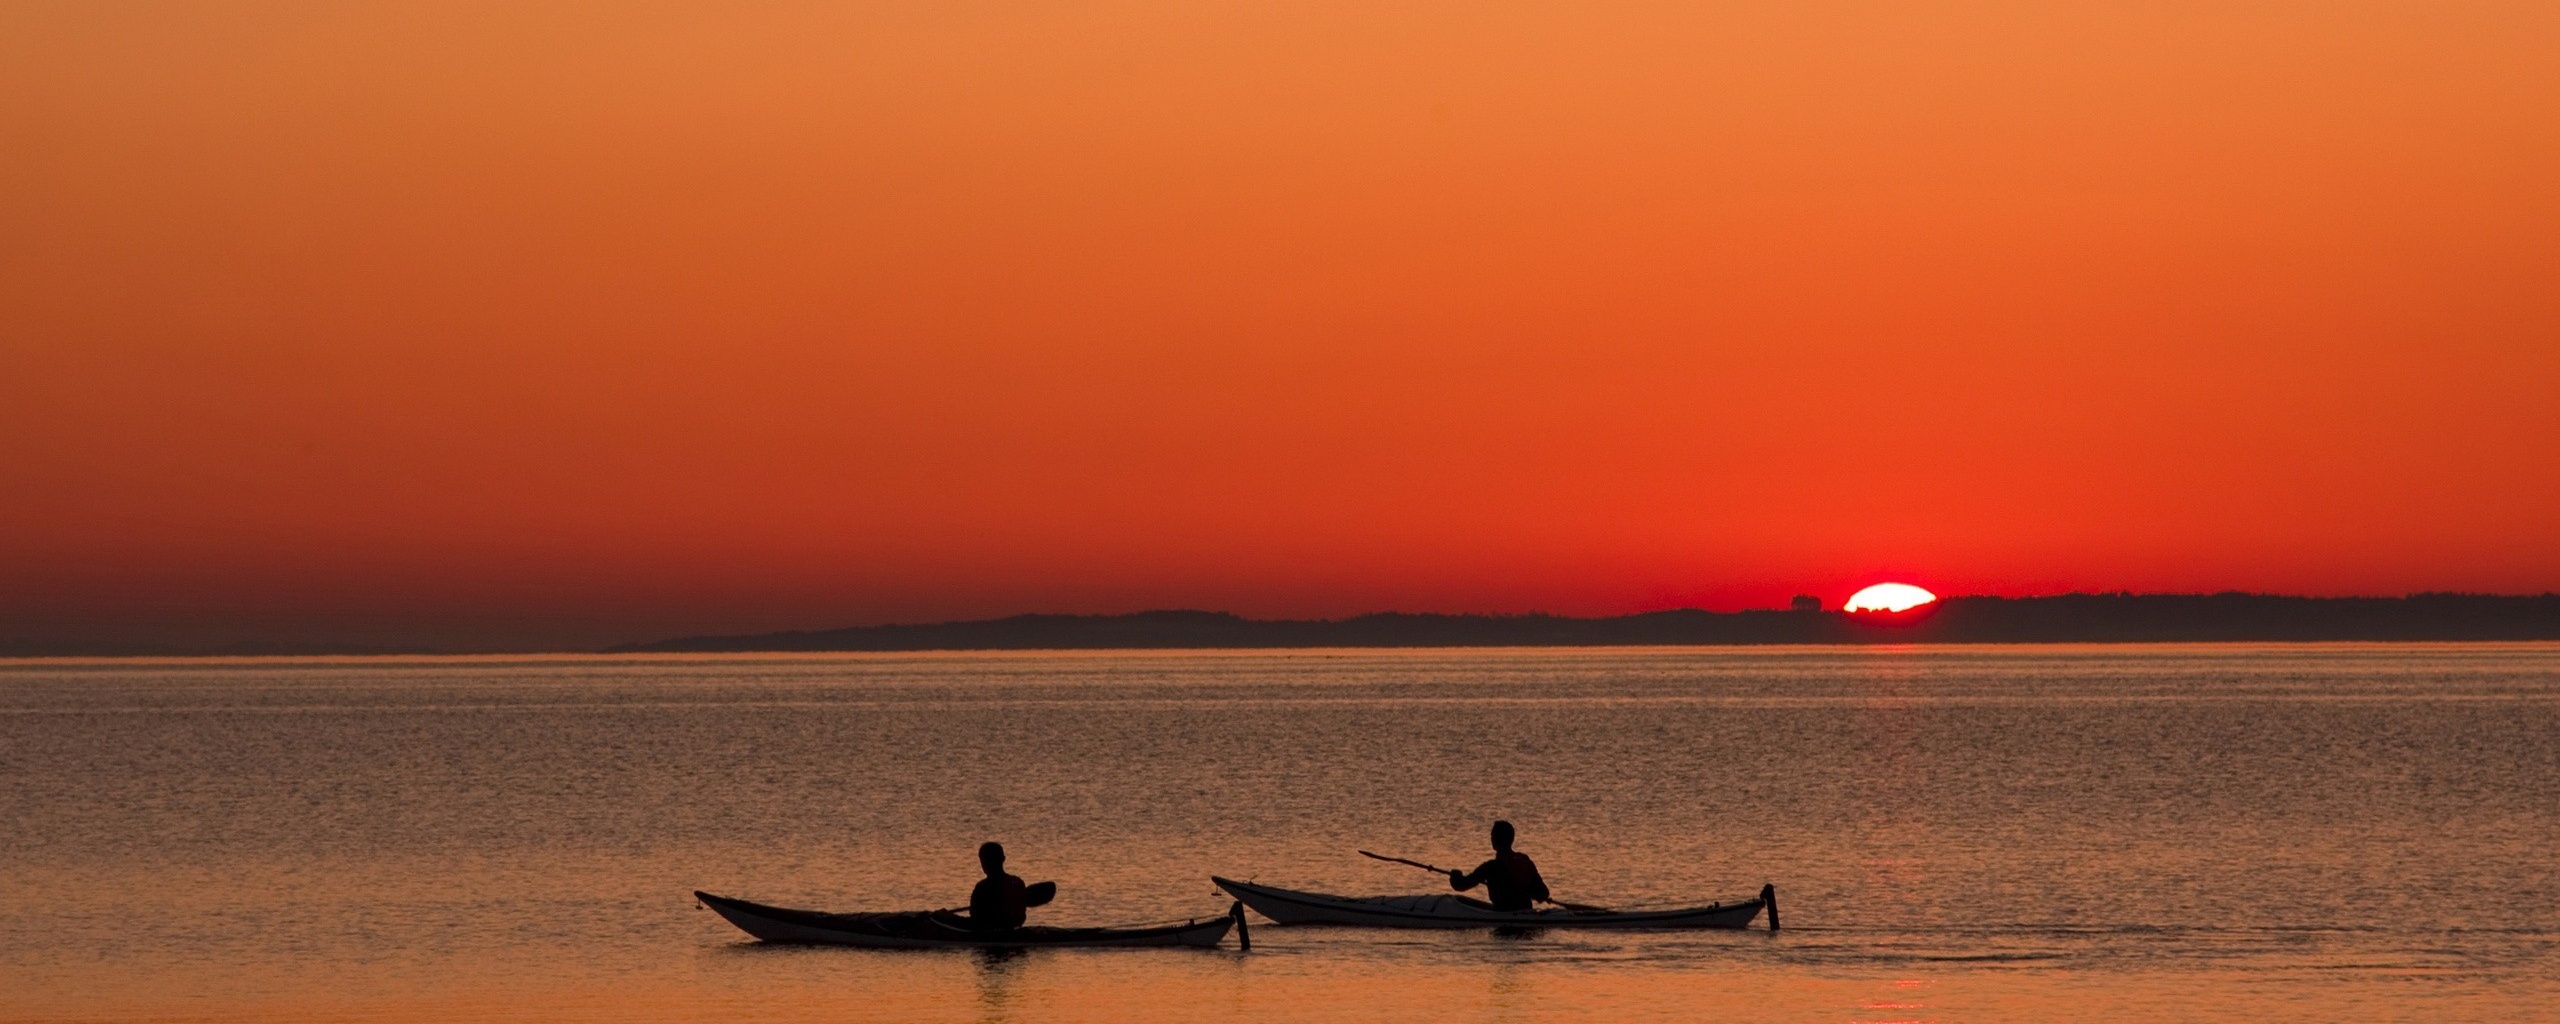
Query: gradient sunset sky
[535,324]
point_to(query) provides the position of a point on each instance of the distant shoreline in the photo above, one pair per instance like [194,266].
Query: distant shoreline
[2068,618]
[2065,618]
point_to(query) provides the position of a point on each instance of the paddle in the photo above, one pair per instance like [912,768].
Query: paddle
[1037,894]
[1400,860]
[1579,908]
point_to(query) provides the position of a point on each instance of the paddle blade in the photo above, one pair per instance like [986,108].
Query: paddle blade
[1038,894]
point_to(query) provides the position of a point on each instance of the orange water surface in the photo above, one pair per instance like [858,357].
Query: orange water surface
[2018,834]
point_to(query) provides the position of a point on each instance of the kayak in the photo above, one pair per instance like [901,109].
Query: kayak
[1291,906]
[928,929]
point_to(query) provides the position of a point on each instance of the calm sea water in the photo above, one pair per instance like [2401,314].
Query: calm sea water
[1957,834]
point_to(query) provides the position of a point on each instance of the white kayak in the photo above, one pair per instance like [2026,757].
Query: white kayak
[1448,910]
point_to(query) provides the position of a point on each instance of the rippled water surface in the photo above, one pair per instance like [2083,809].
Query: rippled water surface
[1957,834]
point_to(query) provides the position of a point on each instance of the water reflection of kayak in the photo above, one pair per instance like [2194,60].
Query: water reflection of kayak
[1290,906]
[927,929]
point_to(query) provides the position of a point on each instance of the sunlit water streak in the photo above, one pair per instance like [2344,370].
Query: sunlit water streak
[1958,834]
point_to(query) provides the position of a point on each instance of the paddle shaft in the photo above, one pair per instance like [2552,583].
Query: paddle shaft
[1037,894]
[1400,860]
[1584,908]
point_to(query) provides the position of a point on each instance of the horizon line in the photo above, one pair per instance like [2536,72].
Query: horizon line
[27,649]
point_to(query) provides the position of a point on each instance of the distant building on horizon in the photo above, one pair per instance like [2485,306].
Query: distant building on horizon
[1805,603]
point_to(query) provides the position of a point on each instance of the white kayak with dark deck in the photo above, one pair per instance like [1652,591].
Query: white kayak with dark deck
[1293,906]
[926,929]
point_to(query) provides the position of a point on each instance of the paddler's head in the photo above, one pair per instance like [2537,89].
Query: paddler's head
[1502,837]
[991,857]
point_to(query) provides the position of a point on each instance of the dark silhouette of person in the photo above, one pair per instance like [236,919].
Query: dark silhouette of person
[1510,879]
[1000,901]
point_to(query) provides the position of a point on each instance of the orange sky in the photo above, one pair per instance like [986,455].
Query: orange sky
[523,324]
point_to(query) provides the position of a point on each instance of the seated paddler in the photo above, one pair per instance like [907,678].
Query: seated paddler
[1000,901]
[1510,879]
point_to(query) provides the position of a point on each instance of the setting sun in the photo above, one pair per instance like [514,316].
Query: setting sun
[1889,597]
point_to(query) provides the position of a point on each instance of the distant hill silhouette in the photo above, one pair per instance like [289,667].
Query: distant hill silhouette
[2068,618]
